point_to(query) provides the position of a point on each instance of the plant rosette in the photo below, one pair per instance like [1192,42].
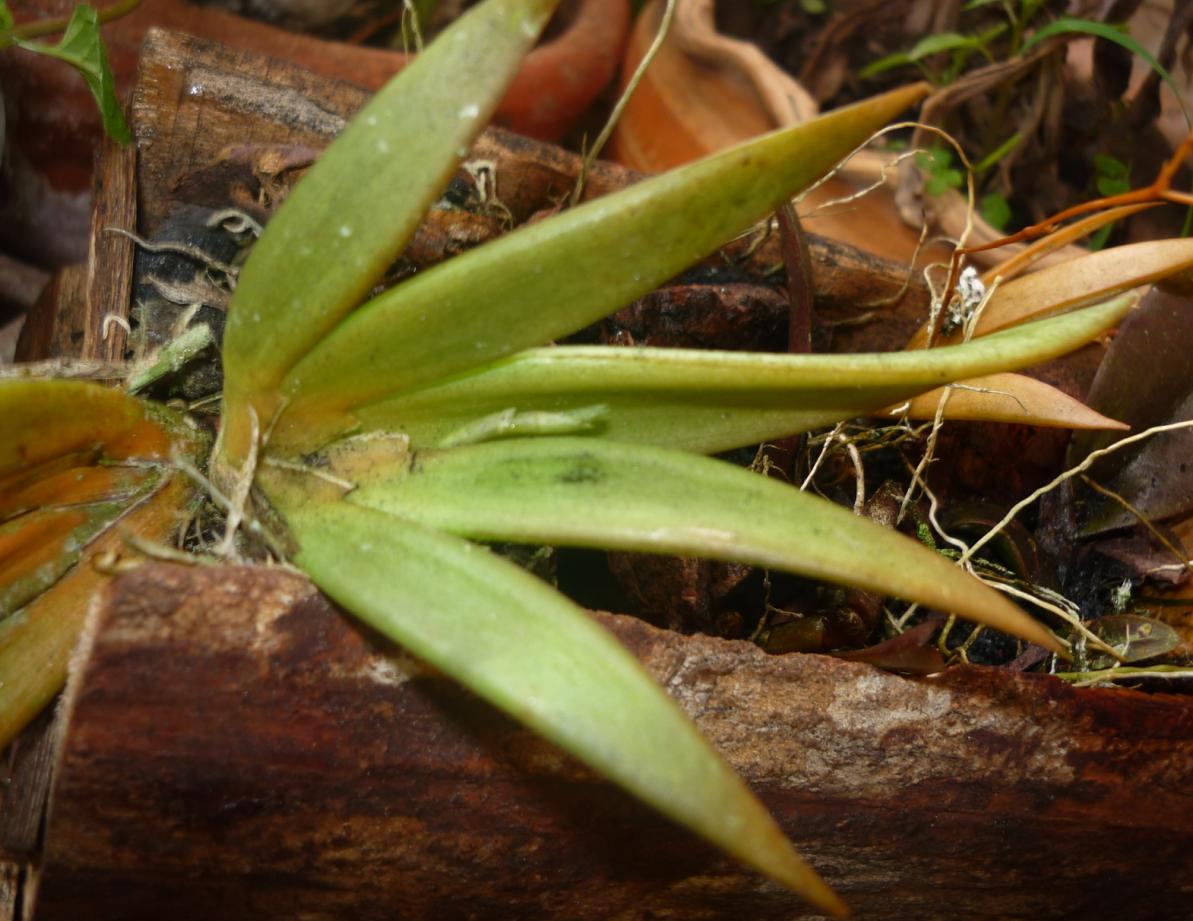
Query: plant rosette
[371,444]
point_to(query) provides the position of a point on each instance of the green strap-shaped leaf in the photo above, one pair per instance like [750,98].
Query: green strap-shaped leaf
[1069,25]
[82,47]
[359,204]
[707,401]
[522,646]
[589,492]
[554,276]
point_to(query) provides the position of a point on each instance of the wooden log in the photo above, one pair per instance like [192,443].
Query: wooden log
[237,749]
[66,321]
[211,120]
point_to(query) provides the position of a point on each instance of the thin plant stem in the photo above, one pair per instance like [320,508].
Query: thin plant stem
[615,116]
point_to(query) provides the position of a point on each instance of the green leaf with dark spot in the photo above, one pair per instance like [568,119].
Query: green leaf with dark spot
[590,492]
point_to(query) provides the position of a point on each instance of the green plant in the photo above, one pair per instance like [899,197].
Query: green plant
[370,443]
[937,165]
[82,48]
[960,49]
[1008,50]
[1111,177]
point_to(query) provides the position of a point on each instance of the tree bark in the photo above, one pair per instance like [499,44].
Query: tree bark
[236,748]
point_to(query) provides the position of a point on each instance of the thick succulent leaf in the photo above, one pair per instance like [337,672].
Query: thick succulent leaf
[37,548]
[590,492]
[36,641]
[358,206]
[706,401]
[526,649]
[74,485]
[1146,379]
[81,466]
[1007,398]
[41,420]
[554,276]
[1078,282]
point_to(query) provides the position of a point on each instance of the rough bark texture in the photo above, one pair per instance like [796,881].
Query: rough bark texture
[237,749]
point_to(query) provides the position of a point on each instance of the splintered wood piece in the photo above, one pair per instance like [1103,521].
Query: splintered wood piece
[238,749]
[68,320]
[110,259]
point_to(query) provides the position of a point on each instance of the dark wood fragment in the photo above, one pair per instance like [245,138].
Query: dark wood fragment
[10,890]
[110,259]
[67,321]
[26,787]
[55,324]
[237,749]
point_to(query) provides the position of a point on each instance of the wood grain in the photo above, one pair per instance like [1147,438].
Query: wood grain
[110,258]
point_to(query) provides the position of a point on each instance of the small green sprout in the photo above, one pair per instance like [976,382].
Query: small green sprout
[940,174]
[82,48]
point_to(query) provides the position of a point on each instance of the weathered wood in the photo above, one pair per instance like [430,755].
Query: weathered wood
[26,787]
[24,791]
[211,121]
[55,324]
[237,749]
[110,259]
[67,320]
[10,883]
